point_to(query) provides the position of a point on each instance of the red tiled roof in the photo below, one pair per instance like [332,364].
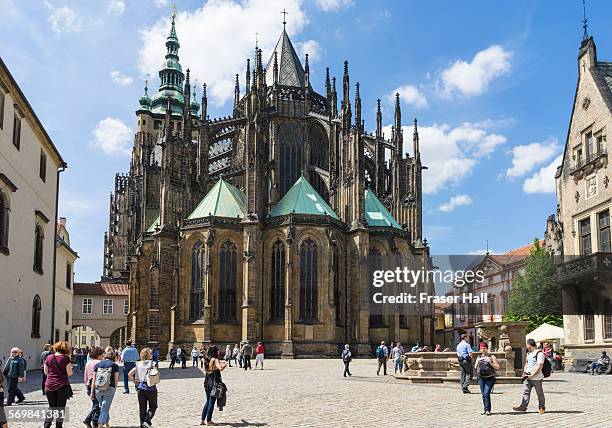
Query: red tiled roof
[101,288]
[523,251]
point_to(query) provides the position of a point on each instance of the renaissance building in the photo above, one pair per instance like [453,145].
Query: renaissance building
[266,224]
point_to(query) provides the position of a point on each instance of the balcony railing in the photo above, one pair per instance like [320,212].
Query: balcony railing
[590,159]
[577,267]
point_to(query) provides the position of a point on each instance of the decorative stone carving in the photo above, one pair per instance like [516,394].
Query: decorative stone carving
[577,196]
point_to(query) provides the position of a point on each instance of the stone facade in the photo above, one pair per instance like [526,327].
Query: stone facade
[29,180]
[257,266]
[583,214]
[64,283]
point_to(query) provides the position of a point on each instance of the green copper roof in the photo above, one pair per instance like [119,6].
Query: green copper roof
[376,214]
[302,198]
[223,200]
[154,226]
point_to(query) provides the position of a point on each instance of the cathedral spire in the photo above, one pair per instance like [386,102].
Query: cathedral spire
[236,93]
[398,114]
[275,69]
[306,72]
[204,103]
[186,106]
[334,98]
[327,85]
[167,121]
[248,75]
[415,141]
[584,21]
[358,123]
[378,119]
[345,85]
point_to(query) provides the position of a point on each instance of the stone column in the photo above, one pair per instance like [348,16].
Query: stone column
[251,280]
[208,321]
[360,276]
[289,253]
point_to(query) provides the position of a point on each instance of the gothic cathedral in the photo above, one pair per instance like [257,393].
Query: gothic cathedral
[267,224]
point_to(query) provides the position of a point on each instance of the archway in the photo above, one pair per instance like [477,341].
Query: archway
[84,336]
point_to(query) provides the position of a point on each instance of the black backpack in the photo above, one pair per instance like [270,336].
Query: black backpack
[546,367]
[485,369]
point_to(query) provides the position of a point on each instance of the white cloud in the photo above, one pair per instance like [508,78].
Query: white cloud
[329,5]
[543,181]
[450,153]
[484,251]
[116,7]
[454,202]
[120,79]
[210,45]
[526,157]
[161,3]
[473,78]
[63,19]
[409,94]
[113,137]
[310,47]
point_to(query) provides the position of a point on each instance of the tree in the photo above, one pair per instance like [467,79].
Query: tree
[535,296]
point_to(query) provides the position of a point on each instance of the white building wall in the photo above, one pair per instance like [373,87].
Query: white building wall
[19,283]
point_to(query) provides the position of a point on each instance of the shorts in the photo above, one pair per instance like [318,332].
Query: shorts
[259,358]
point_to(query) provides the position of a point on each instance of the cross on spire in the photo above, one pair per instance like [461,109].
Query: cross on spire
[173,10]
[284,13]
[584,21]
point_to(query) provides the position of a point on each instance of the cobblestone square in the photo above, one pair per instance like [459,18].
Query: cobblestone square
[313,393]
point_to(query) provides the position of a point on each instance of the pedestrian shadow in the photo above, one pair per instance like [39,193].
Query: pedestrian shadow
[555,412]
[179,373]
[243,423]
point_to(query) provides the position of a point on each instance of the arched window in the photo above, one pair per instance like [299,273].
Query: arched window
[308,281]
[291,156]
[337,293]
[376,310]
[277,286]
[36,307]
[197,281]
[38,249]
[4,221]
[227,281]
[319,157]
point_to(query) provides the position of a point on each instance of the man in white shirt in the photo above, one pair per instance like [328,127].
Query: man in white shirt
[533,377]
[464,356]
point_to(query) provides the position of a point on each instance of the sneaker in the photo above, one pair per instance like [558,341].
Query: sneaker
[145,425]
[87,423]
[541,410]
[488,413]
[519,409]
[21,400]
[466,391]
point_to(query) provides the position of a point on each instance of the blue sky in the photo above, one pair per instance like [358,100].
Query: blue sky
[491,84]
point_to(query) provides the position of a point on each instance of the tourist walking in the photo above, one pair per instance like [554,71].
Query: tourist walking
[240,356]
[43,356]
[195,354]
[235,353]
[183,357]
[145,376]
[228,355]
[14,373]
[173,356]
[202,356]
[3,423]
[346,359]
[533,377]
[104,384]
[95,356]
[382,354]
[211,383]
[155,355]
[464,355]
[397,354]
[486,364]
[259,355]
[129,356]
[58,369]
[247,354]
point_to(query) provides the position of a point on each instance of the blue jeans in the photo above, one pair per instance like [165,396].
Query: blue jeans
[398,365]
[105,398]
[209,406]
[486,386]
[127,367]
[92,416]
[12,385]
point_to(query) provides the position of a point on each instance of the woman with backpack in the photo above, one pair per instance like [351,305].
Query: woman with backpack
[104,384]
[95,355]
[58,369]
[145,376]
[212,379]
[486,364]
